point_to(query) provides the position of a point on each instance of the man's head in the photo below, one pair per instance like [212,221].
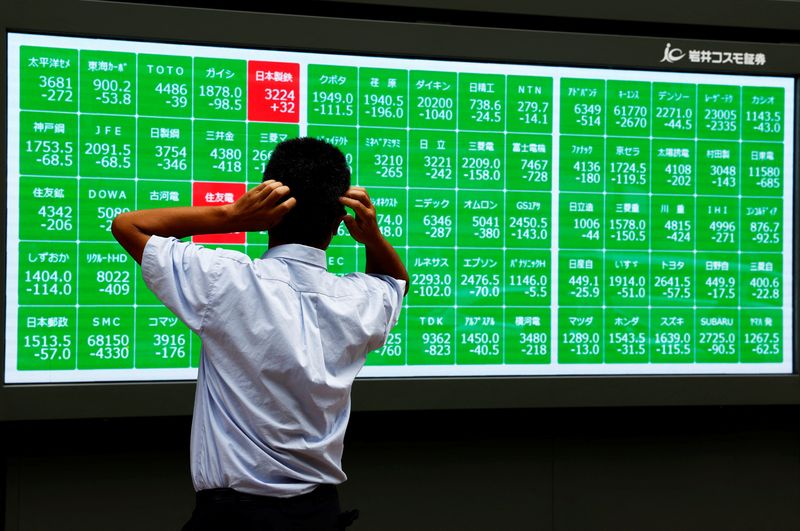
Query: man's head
[317,176]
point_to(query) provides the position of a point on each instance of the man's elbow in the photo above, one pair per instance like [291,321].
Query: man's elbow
[120,226]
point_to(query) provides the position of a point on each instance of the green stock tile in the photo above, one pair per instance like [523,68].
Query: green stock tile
[627,278]
[528,220]
[719,109]
[762,280]
[674,110]
[672,335]
[164,149]
[583,106]
[332,94]
[479,275]
[762,336]
[479,336]
[433,100]
[673,222]
[162,341]
[108,146]
[48,144]
[481,102]
[674,168]
[48,79]
[432,215]
[628,165]
[101,200]
[383,97]
[165,85]
[581,221]
[46,339]
[48,209]
[580,335]
[47,273]
[718,168]
[763,109]
[627,222]
[105,275]
[382,157]
[529,162]
[580,278]
[672,279]
[433,277]
[527,336]
[717,336]
[108,82]
[530,104]
[581,164]
[433,159]
[629,108]
[105,338]
[717,279]
[762,224]
[431,336]
[220,88]
[762,169]
[626,337]
[219,151]
[480,219]
[528,281]
[718,223]
[481,161]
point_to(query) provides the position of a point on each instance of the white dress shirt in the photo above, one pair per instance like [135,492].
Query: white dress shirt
[283,340]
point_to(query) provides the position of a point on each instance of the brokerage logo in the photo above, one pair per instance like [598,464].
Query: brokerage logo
[672,55]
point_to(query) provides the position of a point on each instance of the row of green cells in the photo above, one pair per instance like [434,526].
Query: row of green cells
[466,336]
[66,209]
[459,336]
[175,149]
[124,147]
[68,338]
[103,274]
[348,95]
[103,82]
[639,335]
[671,110]
[641,222]
[180,86]
[670,279]
[641,165]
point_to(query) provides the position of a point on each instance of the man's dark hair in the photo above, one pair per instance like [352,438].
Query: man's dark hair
[317,176]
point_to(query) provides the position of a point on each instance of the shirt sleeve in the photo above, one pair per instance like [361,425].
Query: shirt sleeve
[182,276]
[391,291]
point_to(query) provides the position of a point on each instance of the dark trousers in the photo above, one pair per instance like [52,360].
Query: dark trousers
[229,510]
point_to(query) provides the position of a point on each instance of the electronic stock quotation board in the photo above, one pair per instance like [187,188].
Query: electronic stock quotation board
[553,220]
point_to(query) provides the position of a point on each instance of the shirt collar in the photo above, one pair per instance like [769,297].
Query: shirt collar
[301,253]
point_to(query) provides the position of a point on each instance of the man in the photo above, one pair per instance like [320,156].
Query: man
[283,339]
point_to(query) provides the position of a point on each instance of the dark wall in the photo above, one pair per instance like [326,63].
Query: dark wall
[607,469]
[692,468]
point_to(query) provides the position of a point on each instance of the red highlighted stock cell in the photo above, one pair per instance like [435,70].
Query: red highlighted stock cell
[216,194]
[273,92]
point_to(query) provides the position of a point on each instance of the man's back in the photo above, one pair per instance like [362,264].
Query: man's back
[282,342]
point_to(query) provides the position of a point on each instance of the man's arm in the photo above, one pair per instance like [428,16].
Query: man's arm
[258,209]
[382,259]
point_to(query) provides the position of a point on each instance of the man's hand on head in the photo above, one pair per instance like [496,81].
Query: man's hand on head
[364,226]
[261,208]
[382,259]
